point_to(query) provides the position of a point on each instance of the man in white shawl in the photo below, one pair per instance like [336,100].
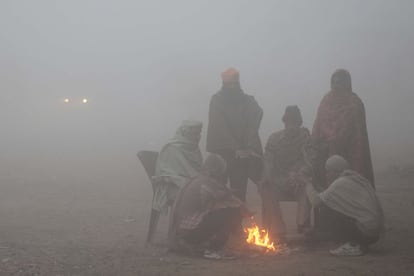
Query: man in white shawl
[355,212]
[179,161]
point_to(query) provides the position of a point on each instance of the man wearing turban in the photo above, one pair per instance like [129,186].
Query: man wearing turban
[233,133]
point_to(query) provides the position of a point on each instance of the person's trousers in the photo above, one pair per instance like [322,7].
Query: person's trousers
[344,228]
[214,228]
[237,173]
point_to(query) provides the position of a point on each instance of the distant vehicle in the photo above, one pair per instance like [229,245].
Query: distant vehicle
[75,100]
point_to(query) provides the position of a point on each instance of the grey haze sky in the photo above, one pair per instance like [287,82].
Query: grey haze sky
[146,65]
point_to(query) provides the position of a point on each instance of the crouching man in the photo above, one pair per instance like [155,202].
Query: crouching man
[355,213]
[205,212]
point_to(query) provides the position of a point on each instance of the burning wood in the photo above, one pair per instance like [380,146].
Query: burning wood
[260,238]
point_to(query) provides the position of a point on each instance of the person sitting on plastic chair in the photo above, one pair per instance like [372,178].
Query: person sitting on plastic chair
[178,161]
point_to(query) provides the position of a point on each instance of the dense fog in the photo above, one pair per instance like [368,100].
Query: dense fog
[144,66]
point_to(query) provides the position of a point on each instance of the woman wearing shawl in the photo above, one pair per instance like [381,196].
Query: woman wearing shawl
[179,161]
[340,128]
[350,201]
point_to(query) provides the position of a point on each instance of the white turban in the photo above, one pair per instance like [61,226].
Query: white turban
[336,163]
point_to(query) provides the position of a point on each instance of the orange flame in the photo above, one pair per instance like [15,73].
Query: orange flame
[259,237]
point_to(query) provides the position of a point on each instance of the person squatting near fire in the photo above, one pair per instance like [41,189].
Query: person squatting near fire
[233,133]
[179,161]
[288,152]
[350,201]
[205,213]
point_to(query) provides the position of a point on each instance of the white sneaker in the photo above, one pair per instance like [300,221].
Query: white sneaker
[347,249]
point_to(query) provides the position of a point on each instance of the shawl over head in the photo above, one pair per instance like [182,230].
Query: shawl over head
[341,78]
[179,161]
[340,128]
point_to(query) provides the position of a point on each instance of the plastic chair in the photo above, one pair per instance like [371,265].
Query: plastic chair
[148,160]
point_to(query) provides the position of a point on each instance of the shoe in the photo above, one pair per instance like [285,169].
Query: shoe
[347,249]
[217,255]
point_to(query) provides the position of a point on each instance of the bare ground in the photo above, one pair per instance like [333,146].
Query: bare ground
[97,226]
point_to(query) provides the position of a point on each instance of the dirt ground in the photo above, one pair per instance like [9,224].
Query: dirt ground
[70,225]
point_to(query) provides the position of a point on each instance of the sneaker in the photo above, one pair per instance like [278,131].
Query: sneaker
[217,255]
[347,249]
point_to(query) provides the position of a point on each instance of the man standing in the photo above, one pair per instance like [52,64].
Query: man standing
[340,128]
[233,132]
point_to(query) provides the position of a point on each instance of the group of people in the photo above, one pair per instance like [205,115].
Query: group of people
[328,170]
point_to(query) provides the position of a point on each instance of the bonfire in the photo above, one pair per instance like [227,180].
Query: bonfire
[259,238]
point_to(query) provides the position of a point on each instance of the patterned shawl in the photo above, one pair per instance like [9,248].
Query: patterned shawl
[340,128]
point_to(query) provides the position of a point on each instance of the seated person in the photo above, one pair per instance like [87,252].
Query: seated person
[355,213]
[287,153]
[179,161]
[205,212]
